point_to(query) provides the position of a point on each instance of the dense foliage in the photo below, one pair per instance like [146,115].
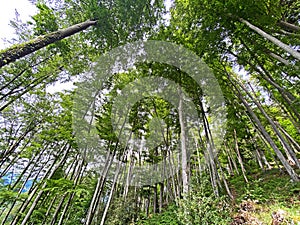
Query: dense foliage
[252,49]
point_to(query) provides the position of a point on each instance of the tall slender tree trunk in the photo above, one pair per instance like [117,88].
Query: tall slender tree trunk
[279,58]
[154,198]
[99,189]
[230,157]
[274,40]
[287,96]
[289,137]
[18,51]
[161,195]
[210,149]
[117,173]
[287,148]
[264,159]
[239,156]
[184,155]
[258,157]
[263,131]
[39,195]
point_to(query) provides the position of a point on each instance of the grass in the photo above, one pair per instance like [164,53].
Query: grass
[267,192]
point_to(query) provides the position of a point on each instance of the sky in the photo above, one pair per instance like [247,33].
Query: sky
[7,13]
[25,10]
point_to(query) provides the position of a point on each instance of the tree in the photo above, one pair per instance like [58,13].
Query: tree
[47,175]
[18,51]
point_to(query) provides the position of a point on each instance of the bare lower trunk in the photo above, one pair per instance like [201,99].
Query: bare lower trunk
[289,137]
[264,159]
[239,157]
[265,134]
[279,58]
[287,148]
[184,160]
[259,159]
[39,195]
[161,195]
[111,194]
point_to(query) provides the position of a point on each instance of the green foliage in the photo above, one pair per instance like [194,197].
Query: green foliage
[45,20]
[7,195]
[201,206]
[36,122]
[265,187]
[122,212]
[167,217]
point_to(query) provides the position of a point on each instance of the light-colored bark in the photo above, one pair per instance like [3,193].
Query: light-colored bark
[258,158]
[239,156]
[287,148]
[289,137]
[264,159]
[184,155]
[266,135]
[274,40]
[39,195]
[279,58]
[112,190]
[230,157]
[161,196]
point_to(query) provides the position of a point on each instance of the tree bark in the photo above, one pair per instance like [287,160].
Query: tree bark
[287,148]
[279,58]
[239,156]
[230,157]
[274,40]
[35,202]
[289,137]
[287,96]
[184,156]
[265,134]
[18,51]
[289,26]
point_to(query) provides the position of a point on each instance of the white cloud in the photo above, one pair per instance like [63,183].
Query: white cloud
[7,13]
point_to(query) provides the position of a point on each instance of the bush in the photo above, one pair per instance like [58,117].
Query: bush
[201,206]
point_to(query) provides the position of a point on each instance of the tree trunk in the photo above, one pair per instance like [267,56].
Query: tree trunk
[284,162]
[279,58]
[289,26]
[265,134]
[264,159]
[230,157]
[161,192]
[289,137]
[155,198]
[274,40]
[287,148]
[239,156]
[184,155]
[111,194]
[18,51]
[39,195]
[287,96]
[259,159]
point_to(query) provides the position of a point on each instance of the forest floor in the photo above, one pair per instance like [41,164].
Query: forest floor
[270,197]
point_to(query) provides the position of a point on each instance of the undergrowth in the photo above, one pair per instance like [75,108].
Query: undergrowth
[267,192]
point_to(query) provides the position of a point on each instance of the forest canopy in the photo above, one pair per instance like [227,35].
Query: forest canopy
[176,116]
